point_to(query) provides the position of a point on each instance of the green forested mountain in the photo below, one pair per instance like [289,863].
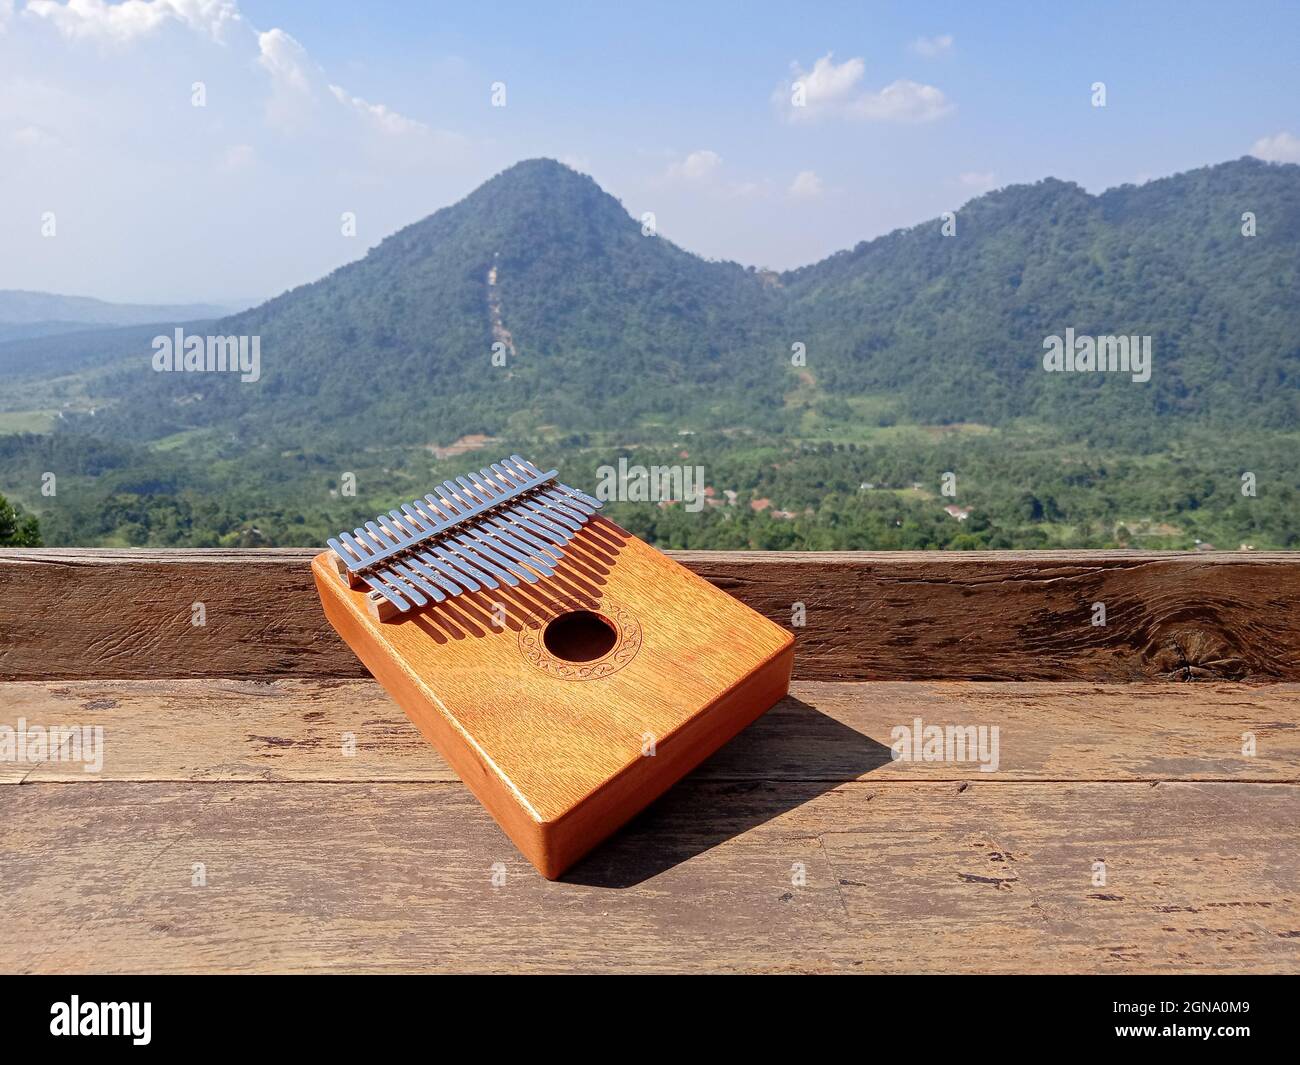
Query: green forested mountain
[923,356]
[955,324]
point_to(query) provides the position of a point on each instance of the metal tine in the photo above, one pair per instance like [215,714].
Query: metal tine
[476,496]
[396,522]
[540,513]
[428,512]
[354,545]
[571,498]
[562,502]
[344,552]
[368,540]
[499,552]
[526,467]
[512,477]
[397,574]
[414,572]
[516,514]
[483,556]
[517,548]
[427,566]
[450,578]
[534,544]
[577,499]
[472,564]
[476,578]
[478,493]
[499,555]
[513,512]
[410,518]
[409,573]
[527,519]
[380,535]
[487,484]
[552,515]
[383,536]
[429,509]
[394,597]
[474,541]
[476,573]
[521,466]
[442,574]
[572,495]
[581,497]
[567,505]
[490,481]
[403,585]
[527,565]
[550,510]
[521,526]
[498,527]
[556,535]
[452,502]
[462,502]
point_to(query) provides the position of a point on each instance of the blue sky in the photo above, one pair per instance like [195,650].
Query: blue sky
[384,110]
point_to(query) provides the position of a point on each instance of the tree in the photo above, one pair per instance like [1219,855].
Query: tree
[16,528]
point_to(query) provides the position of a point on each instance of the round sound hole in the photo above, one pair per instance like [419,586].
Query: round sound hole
[580,636]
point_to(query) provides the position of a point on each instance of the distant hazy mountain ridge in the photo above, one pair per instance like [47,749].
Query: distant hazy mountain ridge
[25,308]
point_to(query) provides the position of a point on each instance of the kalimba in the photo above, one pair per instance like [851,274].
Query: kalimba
[568,672]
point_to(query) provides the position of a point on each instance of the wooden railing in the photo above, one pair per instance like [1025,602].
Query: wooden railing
[866,616]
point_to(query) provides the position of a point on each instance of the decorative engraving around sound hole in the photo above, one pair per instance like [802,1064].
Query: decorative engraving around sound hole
[627,643]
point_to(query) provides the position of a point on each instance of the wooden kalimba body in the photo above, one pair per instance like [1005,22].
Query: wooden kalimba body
[569,672]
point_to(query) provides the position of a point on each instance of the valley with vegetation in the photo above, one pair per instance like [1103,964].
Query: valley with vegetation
[890,397]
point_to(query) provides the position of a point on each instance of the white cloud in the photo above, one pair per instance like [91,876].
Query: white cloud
[6,13]
[979,180]
[827,83]
[384,118]
[697,166]
[285,60]
[903,101]
[99,121]
[97,20]
[806,185]
[1280,148]
[933,47]
[33,137]
[296,80]
[834,90]
[238,157]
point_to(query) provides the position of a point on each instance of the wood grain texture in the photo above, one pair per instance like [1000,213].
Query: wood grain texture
[799,847]
[892,616]
[297,731]
[556,749]
[718,876]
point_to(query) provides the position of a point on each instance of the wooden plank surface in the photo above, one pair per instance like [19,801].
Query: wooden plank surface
[800,847]
[889,616]
[910,877]
[350,731]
